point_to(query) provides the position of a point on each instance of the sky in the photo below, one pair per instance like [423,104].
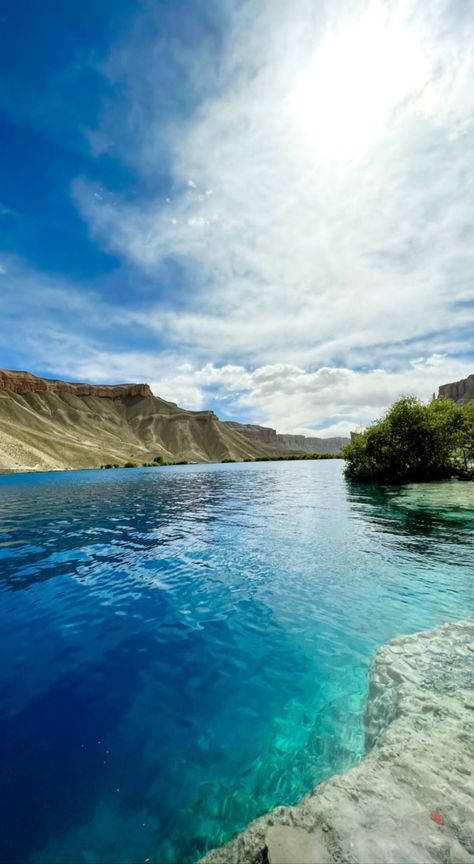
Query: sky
[259,207]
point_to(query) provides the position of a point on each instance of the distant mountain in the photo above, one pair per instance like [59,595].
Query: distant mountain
[270,439]
[48,424]
[460,392]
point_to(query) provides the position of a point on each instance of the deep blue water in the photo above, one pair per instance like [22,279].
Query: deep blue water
[184,648]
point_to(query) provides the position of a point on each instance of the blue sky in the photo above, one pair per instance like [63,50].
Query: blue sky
[260,207]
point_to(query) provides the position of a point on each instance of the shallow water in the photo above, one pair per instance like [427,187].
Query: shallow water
[185,648]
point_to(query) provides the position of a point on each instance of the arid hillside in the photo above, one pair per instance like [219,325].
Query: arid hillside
[271,440]
[54,424]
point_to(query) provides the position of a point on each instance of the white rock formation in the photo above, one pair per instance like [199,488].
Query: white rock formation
[411,799]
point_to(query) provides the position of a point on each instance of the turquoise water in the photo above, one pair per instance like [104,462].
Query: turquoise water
[184,648]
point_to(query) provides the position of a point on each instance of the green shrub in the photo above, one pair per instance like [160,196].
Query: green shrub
[412,442]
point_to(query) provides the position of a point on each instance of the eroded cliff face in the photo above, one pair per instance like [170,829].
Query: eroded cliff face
[265,436]
[52,425]
[460,392]
[411,799]
[307,444]
[25,382]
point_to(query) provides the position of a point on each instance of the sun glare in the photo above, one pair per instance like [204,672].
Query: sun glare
[348,89]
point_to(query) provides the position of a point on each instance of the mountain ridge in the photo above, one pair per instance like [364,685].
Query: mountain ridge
[278,443]
[22,382]
[47,424]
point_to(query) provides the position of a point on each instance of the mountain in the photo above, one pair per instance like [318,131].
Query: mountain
[460,392]
[48,424]
[264,436]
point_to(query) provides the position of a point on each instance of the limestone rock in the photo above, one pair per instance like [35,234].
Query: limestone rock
[460,392]
[287,845]
[411,799]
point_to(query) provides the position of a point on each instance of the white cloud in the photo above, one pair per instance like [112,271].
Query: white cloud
[327,401]
[337,146]
[294,400]
[320,206]
[64,328]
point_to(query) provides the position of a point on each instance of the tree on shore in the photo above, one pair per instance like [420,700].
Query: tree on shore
[414,442]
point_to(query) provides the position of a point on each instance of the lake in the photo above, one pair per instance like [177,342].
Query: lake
[184,648]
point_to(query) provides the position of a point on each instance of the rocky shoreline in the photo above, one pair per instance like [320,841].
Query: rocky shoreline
[411,799]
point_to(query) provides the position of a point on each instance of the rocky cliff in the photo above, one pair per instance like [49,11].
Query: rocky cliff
[411,800]
[47,424]
[270,439]
[460,392]
[25,382]
[306,444]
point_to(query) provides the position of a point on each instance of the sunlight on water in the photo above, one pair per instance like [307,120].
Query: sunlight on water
[185,648]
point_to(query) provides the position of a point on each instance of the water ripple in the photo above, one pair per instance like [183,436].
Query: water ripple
[185,648]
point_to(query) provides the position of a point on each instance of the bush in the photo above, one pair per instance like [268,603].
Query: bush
[412,442]
[130,465]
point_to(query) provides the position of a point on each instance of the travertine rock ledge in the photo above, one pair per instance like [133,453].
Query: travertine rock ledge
[411,799]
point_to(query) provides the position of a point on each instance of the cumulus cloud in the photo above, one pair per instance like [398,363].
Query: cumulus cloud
[327,401]
[71,332]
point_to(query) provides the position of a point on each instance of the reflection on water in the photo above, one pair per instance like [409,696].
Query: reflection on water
[185,648]
[447,500]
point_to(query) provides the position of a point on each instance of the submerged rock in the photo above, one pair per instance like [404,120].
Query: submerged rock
[411,799]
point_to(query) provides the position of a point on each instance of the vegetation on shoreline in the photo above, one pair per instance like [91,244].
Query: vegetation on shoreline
[414,442]
[294,457]
[290,457]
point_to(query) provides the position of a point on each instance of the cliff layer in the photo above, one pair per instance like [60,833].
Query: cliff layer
[460,392]
[48,425]
[25,382]
[411,799]
[270,439]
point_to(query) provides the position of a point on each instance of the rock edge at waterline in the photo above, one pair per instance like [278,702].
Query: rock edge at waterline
[411,799]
